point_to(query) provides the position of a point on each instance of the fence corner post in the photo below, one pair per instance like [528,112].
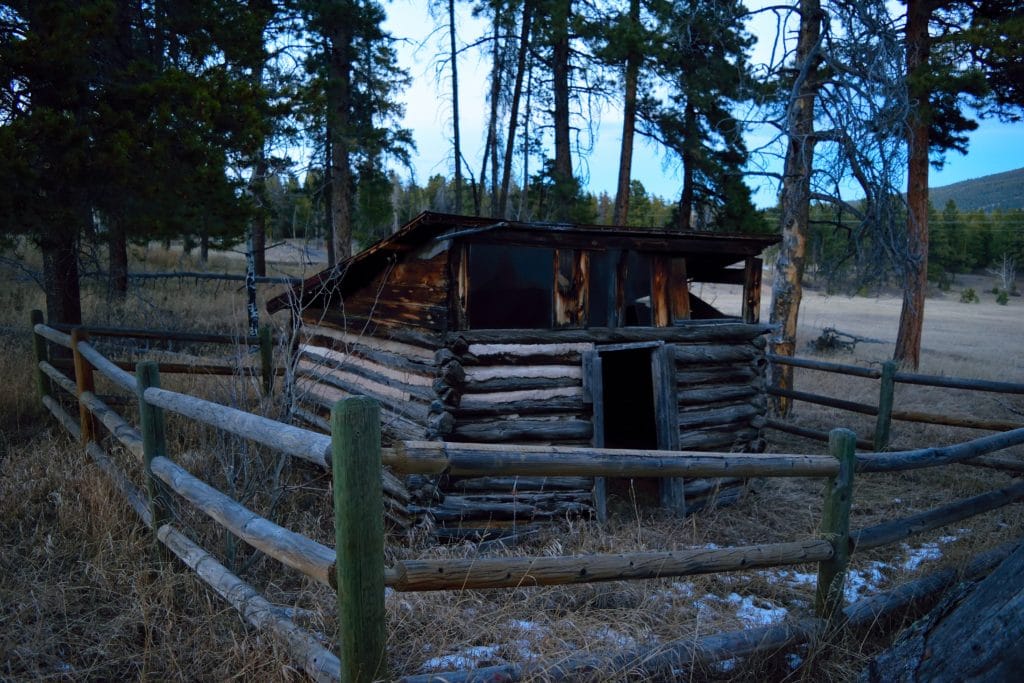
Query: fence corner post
[154,444]
[885,400]
[359,530]
[39,349]
[85,382]
[267,358]
[835,525]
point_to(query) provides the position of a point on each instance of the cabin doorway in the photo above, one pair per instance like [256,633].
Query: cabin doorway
[633,393]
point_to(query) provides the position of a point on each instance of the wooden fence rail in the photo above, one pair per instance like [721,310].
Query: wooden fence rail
[355,567]
[884,411]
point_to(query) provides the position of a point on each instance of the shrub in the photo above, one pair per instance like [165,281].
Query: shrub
[1002,298]
[969,296]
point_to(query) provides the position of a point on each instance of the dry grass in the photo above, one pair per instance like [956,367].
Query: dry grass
[79,599]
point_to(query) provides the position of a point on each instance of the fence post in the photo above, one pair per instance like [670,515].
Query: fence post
[85,382]
[154,443]
[359,530]
[267,359]
[39,347]
[835,525]
[885,399]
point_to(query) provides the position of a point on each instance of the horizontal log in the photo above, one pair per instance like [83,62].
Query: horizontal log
[353,375]
[543,500]
[960,383]
[699,355]
[323,397]
[852,406]
[63,381]
[294,441]
[421,377]
[715,394]
[496,384]
[997,462]
[524,483]
[50,334]
[702,487]
[524,429]
[571,401]
[899,529]
[463,459]
[721,374]
[935,456]
[517,572]
[312,419]
[490,372]
[688,332]
[314,659]
[399,401]
[709,439]
[108,369]
[374,327]
[837,368]
[366,345]
[136,498]
[69,423]
[191,368]
[728,415]
[815,434]
[166,335]
[294,550]
[525,354]
[955,421]
[119,428]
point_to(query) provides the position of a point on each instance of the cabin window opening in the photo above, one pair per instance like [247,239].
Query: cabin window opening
[710,300]
[510,287]
[637,291]
[602,287]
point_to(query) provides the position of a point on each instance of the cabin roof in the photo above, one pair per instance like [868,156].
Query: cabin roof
[430,226]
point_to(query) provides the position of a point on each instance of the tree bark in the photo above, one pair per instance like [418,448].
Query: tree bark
[620,214]
[684,216]
[563,180]
[795,199]
[60,277]
[118,258]
[456,141]
[339,82]
[513,115]
[973,634]
[915,274]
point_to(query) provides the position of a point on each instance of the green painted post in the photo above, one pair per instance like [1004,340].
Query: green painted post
[835,525]
[267,359]
[39,347]
[359,530]
[885,399]
[154,443]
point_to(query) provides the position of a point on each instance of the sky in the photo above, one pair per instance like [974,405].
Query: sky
[995,147]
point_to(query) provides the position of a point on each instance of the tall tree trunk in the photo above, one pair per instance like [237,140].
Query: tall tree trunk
[524,193]
[332,258]
[117,257]
[787,283]
[258,228]
[684,217]
[456,139]
[491,143]
[908,338]
[339,81]
[620,214]
[565,189]
[60,277]
[513,116]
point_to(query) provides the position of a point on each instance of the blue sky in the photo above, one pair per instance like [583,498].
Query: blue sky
[994,147]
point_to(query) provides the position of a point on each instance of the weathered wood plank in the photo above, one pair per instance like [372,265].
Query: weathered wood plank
[490,372]
[835,526]
[706,331]
[121,430]
[524,429]
[396,425]
[697,354]
[661,282]
[362,343]
[470,459]
[679,290]
[732,414]
[752,290]
[571,287]
[404,402]
[475,573]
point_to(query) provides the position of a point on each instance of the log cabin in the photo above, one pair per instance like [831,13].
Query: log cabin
[494,331]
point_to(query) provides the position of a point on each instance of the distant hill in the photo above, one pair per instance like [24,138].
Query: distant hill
[997,191]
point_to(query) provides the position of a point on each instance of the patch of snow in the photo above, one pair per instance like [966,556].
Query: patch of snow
[527,626]
[753,614]
[918,556]
[867,580]
[683,589]
[794,661]
[948,539]
[897,500]
[609,635]
[726,665]
[470,658]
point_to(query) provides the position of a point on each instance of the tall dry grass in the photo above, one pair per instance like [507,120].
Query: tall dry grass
[80,597]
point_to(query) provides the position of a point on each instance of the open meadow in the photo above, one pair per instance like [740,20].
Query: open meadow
[80,597]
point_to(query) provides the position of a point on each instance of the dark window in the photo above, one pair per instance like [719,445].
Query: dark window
[638,291]
[510,287]
[602,287]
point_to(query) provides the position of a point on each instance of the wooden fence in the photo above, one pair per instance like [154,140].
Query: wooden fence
[884,410]
[355,567]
